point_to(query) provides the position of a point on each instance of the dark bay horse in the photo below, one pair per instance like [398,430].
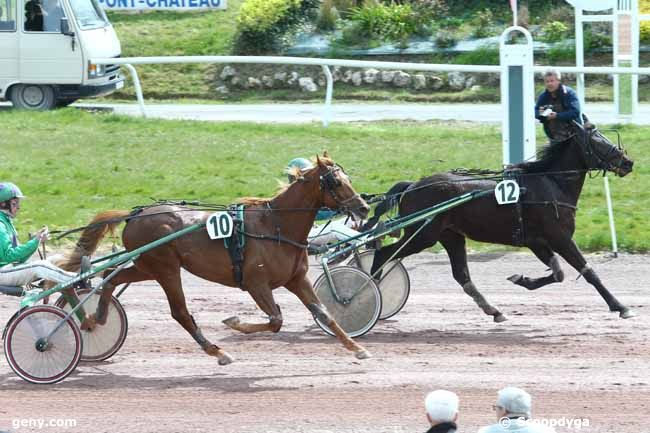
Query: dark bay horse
[268,264]
[545,217]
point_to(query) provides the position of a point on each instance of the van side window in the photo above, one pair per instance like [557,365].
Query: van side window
[43,16]
[7,15]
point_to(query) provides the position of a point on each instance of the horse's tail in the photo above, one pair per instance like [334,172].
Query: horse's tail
[91,236]
[393,197]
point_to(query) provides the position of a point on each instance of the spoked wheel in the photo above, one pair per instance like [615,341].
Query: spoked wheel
[359,302]
[106,340]
[395,284]
[35,358]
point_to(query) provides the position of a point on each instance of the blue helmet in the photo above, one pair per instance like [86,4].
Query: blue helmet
[300,164]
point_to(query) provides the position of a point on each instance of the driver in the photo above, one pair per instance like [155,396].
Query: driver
[333,230]
[15,270]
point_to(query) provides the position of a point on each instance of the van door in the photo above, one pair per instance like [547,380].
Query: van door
[8,43]
[46,55]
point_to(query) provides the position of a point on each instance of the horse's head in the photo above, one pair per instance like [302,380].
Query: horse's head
[600,153]
[336,188]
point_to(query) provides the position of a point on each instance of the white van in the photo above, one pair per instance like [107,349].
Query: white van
[45,47]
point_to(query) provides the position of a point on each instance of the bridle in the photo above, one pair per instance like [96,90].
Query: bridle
[604,161]
[329,182]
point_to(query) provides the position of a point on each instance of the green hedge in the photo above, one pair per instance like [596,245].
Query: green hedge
[261,24]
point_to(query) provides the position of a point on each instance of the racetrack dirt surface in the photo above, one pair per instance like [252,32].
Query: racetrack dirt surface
[560,343]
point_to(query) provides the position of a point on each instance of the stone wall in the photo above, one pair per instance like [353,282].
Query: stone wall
[312,79]
[233,78]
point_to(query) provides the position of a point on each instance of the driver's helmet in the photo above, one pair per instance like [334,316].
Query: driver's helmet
[299,163]
[8,191]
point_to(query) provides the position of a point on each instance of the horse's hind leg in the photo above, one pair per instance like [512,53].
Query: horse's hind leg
[264,299]
[303,289]
[571,253]
[128,275]
[172,285]
[454,244]
[546,255]
[406,246]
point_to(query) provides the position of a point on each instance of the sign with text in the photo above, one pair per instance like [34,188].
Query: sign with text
[175,5]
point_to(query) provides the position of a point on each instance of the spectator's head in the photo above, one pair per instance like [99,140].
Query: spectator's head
[552,79]
[441,406]
[513,403]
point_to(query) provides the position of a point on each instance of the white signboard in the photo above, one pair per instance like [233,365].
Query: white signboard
[507,192]
[219,225]
[175,5]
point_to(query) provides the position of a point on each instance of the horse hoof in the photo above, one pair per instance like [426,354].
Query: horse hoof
[627,314]
[363,354]
[231,322]
[225,359]
[500,318]
[516,278]
[88,324]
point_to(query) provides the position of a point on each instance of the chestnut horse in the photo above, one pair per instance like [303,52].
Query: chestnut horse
[279,260]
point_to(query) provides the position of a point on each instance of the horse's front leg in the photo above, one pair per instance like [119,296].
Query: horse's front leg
[571,253]
[303,289]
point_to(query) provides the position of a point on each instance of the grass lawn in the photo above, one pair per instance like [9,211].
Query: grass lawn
[72,164]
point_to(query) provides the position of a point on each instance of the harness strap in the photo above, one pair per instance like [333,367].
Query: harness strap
[277,238]
[556,204]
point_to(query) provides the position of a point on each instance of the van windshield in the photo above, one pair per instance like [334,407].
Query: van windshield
[89,14]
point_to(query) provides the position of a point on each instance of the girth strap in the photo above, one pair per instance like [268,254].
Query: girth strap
[235,244]
[518,233]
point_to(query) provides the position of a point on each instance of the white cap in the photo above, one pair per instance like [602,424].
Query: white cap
[441,405]
[515,401]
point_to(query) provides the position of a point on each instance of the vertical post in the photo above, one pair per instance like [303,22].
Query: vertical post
[636,34]
[138,88]
[517,97]
[327,114]
[610,212]
[624,58]
[580,55]
[616,36]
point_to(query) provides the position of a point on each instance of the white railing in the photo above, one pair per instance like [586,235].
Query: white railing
[129,63]
[325,64]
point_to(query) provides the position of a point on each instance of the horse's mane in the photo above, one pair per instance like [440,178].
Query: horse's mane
[545,157]
[284,186]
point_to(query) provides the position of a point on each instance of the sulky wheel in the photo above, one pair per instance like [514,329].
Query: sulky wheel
[394,285]
[359,304]
[105,340]
[35,358]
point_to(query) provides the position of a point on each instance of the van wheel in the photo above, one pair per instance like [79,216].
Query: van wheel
[33,97]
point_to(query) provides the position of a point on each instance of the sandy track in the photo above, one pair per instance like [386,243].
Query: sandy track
[561,344]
